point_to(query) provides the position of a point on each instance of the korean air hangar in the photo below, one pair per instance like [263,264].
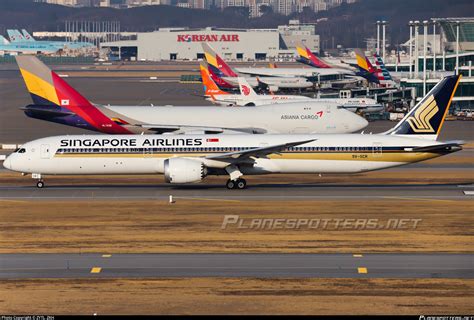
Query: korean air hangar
[232,44]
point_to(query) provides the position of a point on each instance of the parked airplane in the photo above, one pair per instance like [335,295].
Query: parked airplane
[188,159]
[54,100]
[248,96]
[307,57]
[226,76]
[25,38]
[375,74]
[25,47]
[383,75]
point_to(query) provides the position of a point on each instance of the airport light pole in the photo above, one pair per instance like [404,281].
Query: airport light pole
[410,49]
[384,23]
[417,33]
[378,37]
[433,48]
[425,51]
[457,47]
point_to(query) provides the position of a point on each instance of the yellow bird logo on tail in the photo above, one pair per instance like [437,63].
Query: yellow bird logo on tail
[420,120]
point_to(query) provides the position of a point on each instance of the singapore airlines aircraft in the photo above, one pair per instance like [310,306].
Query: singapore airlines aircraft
[54,100]
[248,97]
[190,158]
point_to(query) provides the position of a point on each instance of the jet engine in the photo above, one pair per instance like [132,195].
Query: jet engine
[183,170]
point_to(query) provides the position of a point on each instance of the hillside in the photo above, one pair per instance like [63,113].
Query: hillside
[349,25]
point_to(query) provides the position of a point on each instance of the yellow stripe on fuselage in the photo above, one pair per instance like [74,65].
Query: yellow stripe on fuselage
[39,87]
[384,157]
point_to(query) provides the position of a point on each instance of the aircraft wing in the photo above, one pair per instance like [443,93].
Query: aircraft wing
[256,152]
[186,129]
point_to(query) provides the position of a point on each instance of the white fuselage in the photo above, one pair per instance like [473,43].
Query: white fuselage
[294,72]
[296,117]
[142,154]
[352,104]
[277,82]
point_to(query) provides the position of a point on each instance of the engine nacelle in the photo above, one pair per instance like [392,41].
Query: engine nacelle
[182,170]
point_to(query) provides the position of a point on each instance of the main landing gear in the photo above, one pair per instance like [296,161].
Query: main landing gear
[236,184]
[40,184]
[235,181]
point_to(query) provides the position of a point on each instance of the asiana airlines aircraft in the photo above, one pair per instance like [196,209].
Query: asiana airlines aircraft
[56,101]
[190,158]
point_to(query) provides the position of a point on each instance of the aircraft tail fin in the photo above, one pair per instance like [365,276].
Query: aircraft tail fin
[15,35]
[50,92]
[3,40]
[210,87]
[246,89]
[309,58]
[216,63]
[27,35]
[426,119]
[363,62]
[366,69]
[382,72]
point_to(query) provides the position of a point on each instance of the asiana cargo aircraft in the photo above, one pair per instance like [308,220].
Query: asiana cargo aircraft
[56,101]
[190,158]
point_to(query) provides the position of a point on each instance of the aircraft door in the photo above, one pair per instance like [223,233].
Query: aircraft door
[377,149]
[45,151]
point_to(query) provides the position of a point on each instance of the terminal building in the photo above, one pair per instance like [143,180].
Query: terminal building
[232,44]
[452,51]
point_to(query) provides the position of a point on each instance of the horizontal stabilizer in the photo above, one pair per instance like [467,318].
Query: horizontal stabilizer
[50,111]
[445,147]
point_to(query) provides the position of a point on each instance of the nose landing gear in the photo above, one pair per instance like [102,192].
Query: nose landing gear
[40,183]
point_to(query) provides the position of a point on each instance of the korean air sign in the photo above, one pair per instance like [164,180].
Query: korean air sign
[208,38]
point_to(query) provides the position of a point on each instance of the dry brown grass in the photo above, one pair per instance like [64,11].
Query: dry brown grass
[195,226]
[428,176]
[237,296]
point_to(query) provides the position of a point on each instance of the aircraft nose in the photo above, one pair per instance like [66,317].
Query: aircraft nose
[362,123]
[7,163]
[358,122]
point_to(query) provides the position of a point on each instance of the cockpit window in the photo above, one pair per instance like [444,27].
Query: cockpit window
[22,150]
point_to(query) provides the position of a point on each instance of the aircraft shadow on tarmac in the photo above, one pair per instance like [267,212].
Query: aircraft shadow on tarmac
[249,187]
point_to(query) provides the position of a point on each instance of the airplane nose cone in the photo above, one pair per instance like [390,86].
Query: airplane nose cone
[7,163]
[361,123]
[355,122]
